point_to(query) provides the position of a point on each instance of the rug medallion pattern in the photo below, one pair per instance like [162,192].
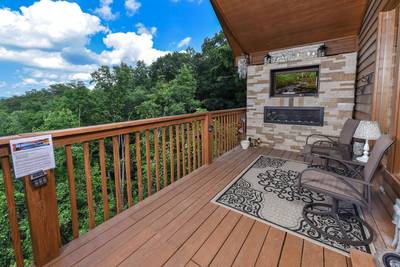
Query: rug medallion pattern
[268,191]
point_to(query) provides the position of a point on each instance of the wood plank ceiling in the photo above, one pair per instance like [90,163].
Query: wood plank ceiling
[264,25]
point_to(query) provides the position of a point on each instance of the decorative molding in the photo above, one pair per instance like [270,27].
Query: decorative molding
[296,53]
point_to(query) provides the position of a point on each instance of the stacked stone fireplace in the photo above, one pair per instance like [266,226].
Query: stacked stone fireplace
[333,104]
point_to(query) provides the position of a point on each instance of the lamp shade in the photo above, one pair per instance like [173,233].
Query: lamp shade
[368,130]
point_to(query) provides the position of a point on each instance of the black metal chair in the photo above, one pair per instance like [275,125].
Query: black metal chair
[326,143]
[355,189]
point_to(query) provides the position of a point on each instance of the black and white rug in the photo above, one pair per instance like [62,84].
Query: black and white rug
[267,191]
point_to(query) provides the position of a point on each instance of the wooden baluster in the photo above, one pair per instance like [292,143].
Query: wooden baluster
[231,132]
[164,152]
[178,152]
[89,193]
[221,135]
[106,209]
[171,154]
[235,129]
[117,174]
[215,146]
[157,159]
[198,129]
[226,134]
[12,211]
[72,192]
[207,140]
[218,129]
[203,150]
[139,167]
[189,150]
[148,169]
[127,153]
[216,136]
[228,137]
[194,144]
[183,150]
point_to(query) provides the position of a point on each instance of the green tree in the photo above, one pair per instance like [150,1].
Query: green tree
[219,86]
[172,98]
[167,67]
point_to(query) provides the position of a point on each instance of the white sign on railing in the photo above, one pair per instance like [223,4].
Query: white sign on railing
[31,155]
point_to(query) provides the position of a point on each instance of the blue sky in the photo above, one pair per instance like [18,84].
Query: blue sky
[45,42]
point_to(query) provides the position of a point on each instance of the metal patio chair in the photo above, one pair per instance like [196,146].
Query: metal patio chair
[355,190]
[326,143]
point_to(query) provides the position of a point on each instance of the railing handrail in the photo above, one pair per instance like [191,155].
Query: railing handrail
[60,136]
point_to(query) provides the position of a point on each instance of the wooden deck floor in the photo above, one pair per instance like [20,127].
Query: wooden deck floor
[180,227]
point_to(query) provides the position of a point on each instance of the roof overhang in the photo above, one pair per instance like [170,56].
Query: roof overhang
[255,26]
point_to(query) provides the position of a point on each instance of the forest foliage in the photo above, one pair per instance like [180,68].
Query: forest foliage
[178,83]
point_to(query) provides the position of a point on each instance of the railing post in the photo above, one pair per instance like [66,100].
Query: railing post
[43,219]
[207,139]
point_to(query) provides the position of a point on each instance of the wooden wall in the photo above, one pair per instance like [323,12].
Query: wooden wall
[378,89]
[367,47]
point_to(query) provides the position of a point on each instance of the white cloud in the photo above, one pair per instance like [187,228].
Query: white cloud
[34,78]
[39,58]
[143,29]
[2,84]
[105,11]
[49,38]
[184,42]
[132,6]
[130,47]
[47,25]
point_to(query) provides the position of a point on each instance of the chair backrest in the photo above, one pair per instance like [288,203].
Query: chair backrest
[380,147]
[349,128]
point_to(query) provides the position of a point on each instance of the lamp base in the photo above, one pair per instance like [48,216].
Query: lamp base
[363,158]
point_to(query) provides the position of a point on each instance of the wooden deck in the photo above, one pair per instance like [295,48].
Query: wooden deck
[180,227]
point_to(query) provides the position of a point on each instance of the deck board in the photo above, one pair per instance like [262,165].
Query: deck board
[179,226]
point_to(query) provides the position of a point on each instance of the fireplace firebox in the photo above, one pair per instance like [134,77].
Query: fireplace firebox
[313,116]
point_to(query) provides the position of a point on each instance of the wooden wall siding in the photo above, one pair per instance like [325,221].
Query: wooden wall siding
[367,58]
[383,92]
[379,59]
[396,116]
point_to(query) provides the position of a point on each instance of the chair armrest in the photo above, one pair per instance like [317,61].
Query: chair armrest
[346,163]
[320,143]
[345,178]
[351,162]
[330,138]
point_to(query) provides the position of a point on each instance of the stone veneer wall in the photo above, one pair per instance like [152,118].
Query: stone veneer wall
[336,94]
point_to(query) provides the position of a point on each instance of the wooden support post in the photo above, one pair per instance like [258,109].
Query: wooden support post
[207,139]
[43,219]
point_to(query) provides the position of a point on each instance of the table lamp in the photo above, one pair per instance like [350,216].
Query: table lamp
[367,130]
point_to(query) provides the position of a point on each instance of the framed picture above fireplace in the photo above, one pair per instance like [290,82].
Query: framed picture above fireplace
[292,82]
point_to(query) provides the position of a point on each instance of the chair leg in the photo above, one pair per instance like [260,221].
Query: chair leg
[332,211]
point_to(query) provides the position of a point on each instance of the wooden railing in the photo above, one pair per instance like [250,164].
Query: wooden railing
[116,165]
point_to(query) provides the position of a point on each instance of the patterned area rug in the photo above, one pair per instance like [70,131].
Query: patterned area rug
[267,191]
